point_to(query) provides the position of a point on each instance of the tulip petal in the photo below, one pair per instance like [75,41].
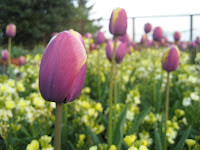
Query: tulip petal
[62,60]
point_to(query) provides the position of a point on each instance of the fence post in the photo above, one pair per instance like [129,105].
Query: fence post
[133,28]
[191,27]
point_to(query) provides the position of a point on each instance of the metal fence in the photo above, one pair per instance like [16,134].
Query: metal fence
[187,24]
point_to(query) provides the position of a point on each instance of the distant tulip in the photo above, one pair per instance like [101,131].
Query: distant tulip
[170,59]
[93,46]
[193,44]
[4,54]
[177,36]
[100,39]
[147,27]
[120,51]
[54,34]
[77,35]
[133,44]
[62,69]
[11,30]
[197,40]
[22,60]
[88,35]
[118,22]
[157,34]
[183,46]
[125,38]
[143,39]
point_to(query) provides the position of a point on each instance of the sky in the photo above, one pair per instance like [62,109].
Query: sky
[135,8]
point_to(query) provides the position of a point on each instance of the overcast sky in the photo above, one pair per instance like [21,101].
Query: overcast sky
[103,8]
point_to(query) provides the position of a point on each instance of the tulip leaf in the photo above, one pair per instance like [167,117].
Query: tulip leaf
[119,129]
[181,142]
[138,120]
[93,136]
[11,73]
[25,131]
[158,144]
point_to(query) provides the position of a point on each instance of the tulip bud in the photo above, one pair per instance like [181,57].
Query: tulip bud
[125,38]
[143,39]
[133,44]
[183,46]
[93,46]
[120,51]
[193,44]
[22,60]
[197,41]
[118,22]
[157,34]
[147,27]
[177,36]
[4,54]
[170,59]
[77,35]
[100,38]
[11,30]
[62,69]
[88,35]
[54,34]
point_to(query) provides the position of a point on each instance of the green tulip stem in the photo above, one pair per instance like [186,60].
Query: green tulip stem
[115,90]
[98,75]
[9,50]
[57,138]
[166,109]
[111,94]
[4,67]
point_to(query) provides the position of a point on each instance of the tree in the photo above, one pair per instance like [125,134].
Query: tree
[36,20]
[81,22]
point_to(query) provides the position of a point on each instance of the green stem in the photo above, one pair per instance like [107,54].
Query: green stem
[57,138]
[111,94]
[98,75]
[9,50]
[166,109]
[4,67]
[115,90]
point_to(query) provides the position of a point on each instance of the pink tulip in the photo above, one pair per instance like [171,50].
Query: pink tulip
[118,22]
[62,69]
[120,50]
[11,30]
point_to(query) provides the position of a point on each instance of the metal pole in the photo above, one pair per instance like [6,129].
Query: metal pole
[133,28]
[191,27]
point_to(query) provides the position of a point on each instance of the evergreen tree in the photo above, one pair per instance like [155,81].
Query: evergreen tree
[36,20]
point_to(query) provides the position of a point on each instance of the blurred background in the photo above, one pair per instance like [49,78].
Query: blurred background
[36,20]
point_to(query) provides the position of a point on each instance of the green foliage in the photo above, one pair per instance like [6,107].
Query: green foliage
[118,130]
[181,142]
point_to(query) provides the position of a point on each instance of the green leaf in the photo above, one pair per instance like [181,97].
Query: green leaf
[138,120]
[11,73]
[25,131]
[94,137]
[158,144]
[119,129]
[181,142]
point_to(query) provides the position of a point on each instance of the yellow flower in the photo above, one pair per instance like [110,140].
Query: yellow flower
[128,140]
[34,145]
[3,88]
[112,147]
[190,142]
[98,107]
[93,148]
[9,104]
[38,102]
[142,147]
[20,87]
[133,148]
[81,137]
[91,112]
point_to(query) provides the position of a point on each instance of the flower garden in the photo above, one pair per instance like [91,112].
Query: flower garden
[129,89]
